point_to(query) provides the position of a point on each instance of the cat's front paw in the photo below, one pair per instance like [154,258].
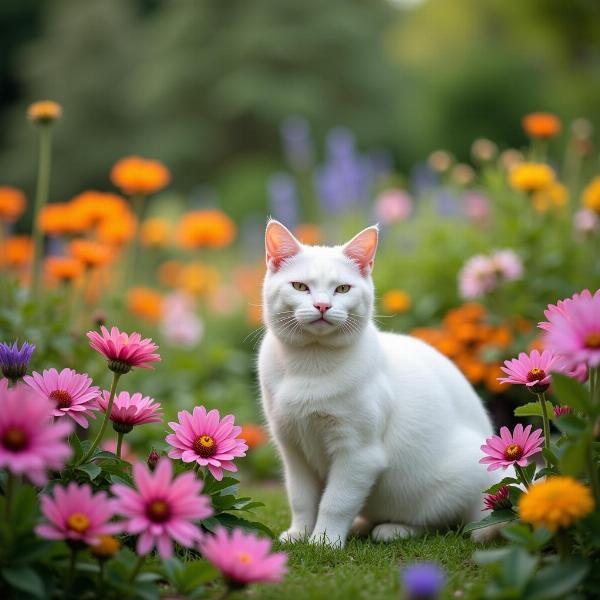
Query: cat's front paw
[292,535]
[331,540]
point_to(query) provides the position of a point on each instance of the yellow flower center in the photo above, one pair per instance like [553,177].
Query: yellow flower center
[158,511]
[205,446]
[14,439]
[78,522]
[592,340]
[106,547]
[244,558]
[62,398]
[536,374]
[513,452]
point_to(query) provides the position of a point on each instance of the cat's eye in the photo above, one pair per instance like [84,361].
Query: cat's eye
[298,285]
[342,289]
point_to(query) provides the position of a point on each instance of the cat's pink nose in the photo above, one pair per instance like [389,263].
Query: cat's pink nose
[322,306]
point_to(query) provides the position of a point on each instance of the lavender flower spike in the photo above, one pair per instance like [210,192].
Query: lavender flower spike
[14,360]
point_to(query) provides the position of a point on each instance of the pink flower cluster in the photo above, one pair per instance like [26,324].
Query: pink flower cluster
[482,274]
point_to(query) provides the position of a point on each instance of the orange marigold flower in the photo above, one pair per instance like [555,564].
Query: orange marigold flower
[541,125]
[63,268]
[91,254]
[254,435]
[135,175]
[308,234]
[44,111]
[474,370]
[117,231]
[553,196]
[55,219]
[530,177]
[448,346]
[99,206]
[206,228]
[591,195]
[396,301]
[500,336]
[12,203]
[17,251]
[145,303]
[491,379]
[169,272]
[198,279]
[155,232]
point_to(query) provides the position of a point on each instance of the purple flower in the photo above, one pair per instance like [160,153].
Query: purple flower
[423,581]
[14,360]
[297,146]
[283,199]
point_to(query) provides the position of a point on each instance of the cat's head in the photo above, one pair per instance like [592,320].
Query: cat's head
[320,294]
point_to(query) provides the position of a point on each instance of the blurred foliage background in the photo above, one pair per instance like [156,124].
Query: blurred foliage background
[204,85]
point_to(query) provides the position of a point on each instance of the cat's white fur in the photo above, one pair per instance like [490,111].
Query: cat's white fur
[369,424]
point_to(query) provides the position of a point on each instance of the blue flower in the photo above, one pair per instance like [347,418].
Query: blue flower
[423,581]
[14,360]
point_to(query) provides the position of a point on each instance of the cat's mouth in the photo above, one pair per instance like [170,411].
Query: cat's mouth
[321,319]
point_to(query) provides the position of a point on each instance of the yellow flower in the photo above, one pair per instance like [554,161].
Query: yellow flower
[106,547]
[155,232]
[198,279]
[556,502]
[44,111]
[554,196]
[530,177]
[591,195]
[396,301]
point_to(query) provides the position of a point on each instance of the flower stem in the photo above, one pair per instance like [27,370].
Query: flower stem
[545,420]
[107,414]
[593,473]
[137,568]
[41,197]
[71,571]
[521,475]
[119,443]
[563,543]
[8,494]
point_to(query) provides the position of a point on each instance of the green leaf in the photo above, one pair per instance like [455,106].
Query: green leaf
[557,580]
[518,567]
[550,457]
[497,486]
[571,393]
[533,409]
[573,459]
[571,424]
[90,469]
[77,447]
[497,516]
[529,471]
[196,573]
[24,579]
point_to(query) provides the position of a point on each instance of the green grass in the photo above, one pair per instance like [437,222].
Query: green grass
[362,569]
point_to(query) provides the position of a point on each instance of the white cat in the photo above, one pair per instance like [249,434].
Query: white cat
[369,424]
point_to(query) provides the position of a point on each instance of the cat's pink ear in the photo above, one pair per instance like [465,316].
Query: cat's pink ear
[280,244]
[362,247]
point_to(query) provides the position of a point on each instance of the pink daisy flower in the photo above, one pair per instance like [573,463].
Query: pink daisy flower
[30,442]
[69,392]
[207,440]
[243,558]
[76,514]
[573,329]
[531,370]
[508,265]
[124,351]
[162,508]
[497,501]
[561,411]
[128,411]
[477,277]
[508,449]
